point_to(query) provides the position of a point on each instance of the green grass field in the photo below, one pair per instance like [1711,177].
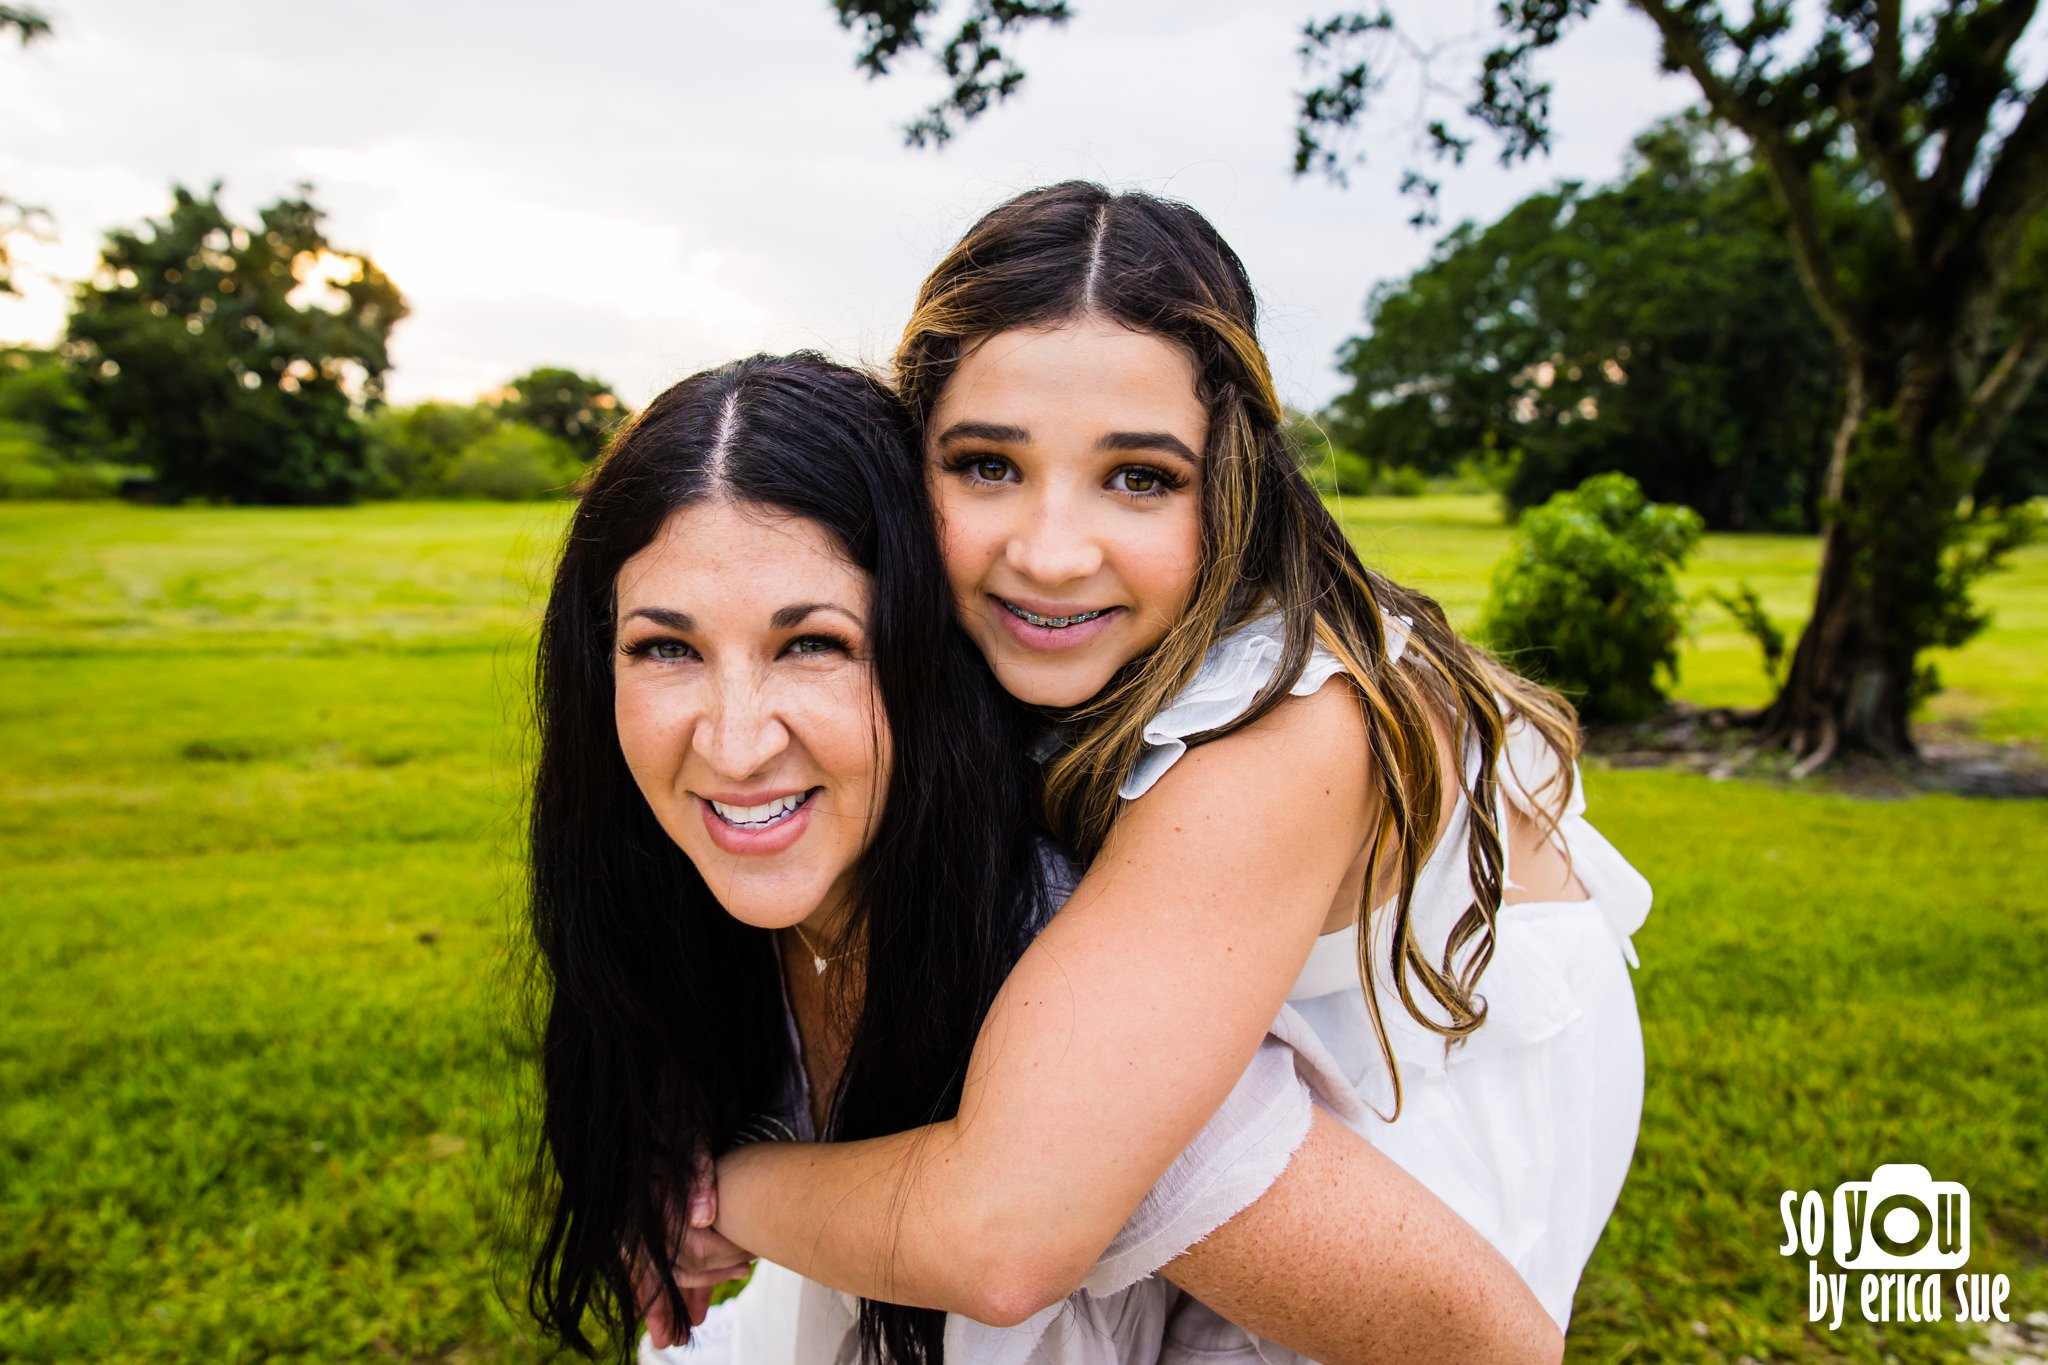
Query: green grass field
[258,813]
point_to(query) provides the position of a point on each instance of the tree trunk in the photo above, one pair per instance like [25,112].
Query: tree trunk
[1849,689]
[1889,512]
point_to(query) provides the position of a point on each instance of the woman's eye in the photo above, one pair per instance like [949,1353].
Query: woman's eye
[668,650]
[816,644]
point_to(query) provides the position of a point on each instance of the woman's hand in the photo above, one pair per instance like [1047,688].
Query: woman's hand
[702,1259]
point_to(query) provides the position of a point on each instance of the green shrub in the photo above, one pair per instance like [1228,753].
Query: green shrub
[1587,600]
[412,449]
[579,408]
[1487,469]
[512,463]
[30,468]
[1747,608]
[1334,470]
[26,465]
[37,390]
[1338,471]
[1402,481]
[1330,467]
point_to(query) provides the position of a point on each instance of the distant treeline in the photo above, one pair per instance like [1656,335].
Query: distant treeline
[1654,327]
[246,363]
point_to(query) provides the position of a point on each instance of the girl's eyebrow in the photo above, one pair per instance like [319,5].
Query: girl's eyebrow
[1148,440]
[1003,433]
[985,431]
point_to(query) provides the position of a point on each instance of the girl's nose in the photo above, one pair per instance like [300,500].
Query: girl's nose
[1054,546]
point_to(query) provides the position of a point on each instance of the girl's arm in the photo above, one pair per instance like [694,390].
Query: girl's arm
[1346,1257]
[1119,1033]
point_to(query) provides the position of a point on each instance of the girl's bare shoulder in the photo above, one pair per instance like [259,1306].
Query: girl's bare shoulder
[1311,746]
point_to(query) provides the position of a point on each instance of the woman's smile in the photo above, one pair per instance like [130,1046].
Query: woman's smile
[761,829]
[746,706]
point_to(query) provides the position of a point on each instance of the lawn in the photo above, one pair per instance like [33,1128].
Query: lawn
[258,815]
[1997,684]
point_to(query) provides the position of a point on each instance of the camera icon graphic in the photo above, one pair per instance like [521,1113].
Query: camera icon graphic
[1901,1219]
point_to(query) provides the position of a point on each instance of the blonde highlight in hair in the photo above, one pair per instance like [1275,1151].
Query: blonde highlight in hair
[1076,250]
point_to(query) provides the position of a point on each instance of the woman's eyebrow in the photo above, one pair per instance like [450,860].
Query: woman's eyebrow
[785,617]
[663,616]
[1148,440]
[985,431]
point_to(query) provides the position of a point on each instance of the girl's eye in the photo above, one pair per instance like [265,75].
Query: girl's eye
[808,645]
[984,468]
[1143,481]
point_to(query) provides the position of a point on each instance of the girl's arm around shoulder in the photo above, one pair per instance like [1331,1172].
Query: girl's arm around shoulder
[1119,1033]
[1348,1258]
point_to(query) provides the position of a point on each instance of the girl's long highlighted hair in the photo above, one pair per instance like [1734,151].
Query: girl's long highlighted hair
[1074,250]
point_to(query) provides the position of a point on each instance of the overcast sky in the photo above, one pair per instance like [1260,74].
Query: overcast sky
[638,190]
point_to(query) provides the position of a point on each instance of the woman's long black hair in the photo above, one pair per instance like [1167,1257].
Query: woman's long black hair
[664,1026]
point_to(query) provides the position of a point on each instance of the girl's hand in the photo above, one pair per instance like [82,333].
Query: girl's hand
[702,1258]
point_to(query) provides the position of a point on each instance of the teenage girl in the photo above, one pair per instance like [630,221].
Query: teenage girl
[1292,786]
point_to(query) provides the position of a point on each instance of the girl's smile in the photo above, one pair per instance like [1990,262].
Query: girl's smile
[1065,467]
[1050,631]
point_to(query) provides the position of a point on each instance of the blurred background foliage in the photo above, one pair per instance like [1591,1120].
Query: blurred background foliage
[1653,326]
[216,361]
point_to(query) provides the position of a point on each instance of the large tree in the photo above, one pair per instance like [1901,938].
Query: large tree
[1939,340]
[1652,327]
[234,360]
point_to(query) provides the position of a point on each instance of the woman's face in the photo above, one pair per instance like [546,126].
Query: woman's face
[1065,466]
[747,707]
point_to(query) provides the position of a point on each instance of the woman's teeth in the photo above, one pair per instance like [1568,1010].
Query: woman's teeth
[760,817]
[1050,622]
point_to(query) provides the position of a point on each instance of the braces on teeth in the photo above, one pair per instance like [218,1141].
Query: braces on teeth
[1055,622]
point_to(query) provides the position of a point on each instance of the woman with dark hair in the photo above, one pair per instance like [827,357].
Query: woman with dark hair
[1294,788]
[662,947]
[784,853]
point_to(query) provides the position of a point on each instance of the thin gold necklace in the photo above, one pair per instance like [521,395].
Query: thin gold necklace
[818,962]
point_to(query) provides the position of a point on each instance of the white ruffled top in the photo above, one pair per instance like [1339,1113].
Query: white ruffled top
[1232,674]
[1241,664]
[1518,1126]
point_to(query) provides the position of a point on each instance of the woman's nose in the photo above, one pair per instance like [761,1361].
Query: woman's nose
[741,733]
[1054,545]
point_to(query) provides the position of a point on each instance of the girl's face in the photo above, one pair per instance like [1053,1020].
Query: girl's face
[1065,466]
[747,708]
